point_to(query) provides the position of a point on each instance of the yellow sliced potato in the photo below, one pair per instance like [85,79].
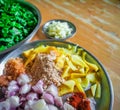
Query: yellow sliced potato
[64,90]
[77,60]
[85,82]
[93,89]
[91,77]
[78,85]
[67,87]
[91,65]
[70,84]
[41,49]
[82,70]
[30,58]
[27,52]
[77,75]
[73,67]
[98,90]
[66,72]
[60,61]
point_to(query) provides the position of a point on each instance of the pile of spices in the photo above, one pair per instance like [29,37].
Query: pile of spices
[79,101]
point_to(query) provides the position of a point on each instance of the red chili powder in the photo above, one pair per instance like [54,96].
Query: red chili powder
[79,101]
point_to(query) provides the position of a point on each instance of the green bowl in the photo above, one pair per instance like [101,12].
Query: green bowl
[107,97]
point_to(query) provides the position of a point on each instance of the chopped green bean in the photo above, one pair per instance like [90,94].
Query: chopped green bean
[16,23]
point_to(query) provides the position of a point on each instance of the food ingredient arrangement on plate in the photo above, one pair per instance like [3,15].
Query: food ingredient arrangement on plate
[50,78]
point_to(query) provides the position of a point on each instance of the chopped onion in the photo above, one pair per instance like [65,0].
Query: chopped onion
[52,107]
[23,79]
[13,82]
[14,88]
[32,96]
[14,101]
[38,88]
[58,101]
[52,89]
[40,105]
[22,98]
[25,89]
[28,105]
[68,107]
[40,82]
[5,105]
[48,98]
[92,103]
[10,93]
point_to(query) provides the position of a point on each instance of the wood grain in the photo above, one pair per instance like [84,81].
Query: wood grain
[98,30]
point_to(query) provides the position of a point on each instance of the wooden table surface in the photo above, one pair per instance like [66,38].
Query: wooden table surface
[98,30]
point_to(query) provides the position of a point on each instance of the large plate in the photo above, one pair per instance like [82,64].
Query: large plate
[106,100]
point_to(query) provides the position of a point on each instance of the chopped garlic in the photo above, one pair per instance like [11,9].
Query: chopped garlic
[59,29]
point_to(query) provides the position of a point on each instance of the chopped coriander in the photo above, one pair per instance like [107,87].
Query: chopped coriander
[16,23]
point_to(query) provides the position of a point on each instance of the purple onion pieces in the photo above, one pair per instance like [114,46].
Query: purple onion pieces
[14,101]
[10,93]
[32,96]
[25,89]
[68,107]
[5,105]
[40,82]
[58,101]
[48,98]
[40,105]
[92,103]
[23,79]
[14,88]
[28,105]
[52,89]
[52,107]
[22,98]
[12,83]
[38,88]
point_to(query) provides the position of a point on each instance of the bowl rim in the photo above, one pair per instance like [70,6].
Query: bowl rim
[61,20]
[71,43]
[28,38]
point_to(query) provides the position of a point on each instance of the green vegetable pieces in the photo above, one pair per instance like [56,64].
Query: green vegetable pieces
[16,23]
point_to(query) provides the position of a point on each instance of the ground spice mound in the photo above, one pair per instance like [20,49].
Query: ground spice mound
[14,67]
[4,80]
[79,101]
[44,68]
